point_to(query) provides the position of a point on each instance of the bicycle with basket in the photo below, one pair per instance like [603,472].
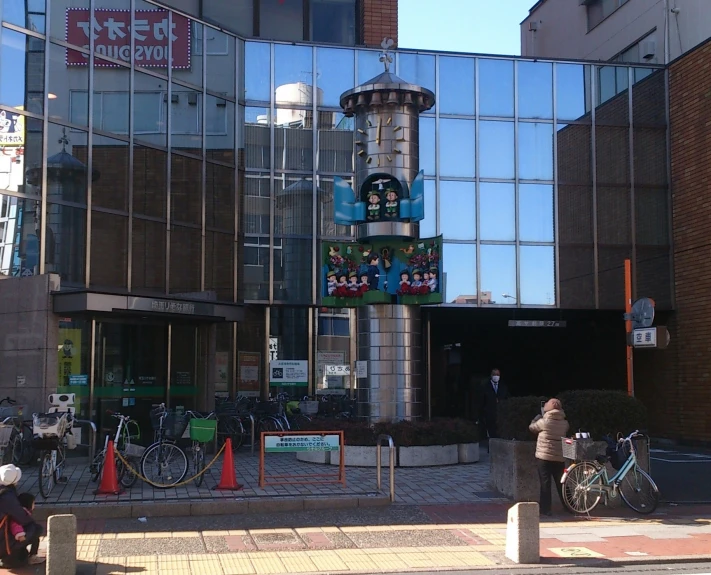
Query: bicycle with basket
[202,429]
[52,436]
[164,464]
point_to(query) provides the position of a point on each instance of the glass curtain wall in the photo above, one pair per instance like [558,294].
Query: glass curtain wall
[542,177]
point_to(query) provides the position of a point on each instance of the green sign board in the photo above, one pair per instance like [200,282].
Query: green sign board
[289,373]
[304,442]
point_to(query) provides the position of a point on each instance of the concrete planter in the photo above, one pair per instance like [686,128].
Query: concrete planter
[468,452]
[513,468]
[428,456]
[314,456]
[363,456]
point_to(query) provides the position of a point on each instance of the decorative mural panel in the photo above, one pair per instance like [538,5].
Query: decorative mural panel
[387,270]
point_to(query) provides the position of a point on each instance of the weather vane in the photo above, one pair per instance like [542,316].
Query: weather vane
[386,58]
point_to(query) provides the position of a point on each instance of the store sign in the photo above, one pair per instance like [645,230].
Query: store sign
[535,323]
[289,373]
[12,133]
[361,369]
[645,337]
[248,363]
[294,443]
[337,370]
[111,31]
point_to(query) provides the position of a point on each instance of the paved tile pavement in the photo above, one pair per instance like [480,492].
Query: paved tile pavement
[396,539]
[414,486]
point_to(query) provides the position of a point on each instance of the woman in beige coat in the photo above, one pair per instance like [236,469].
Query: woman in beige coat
[550,427]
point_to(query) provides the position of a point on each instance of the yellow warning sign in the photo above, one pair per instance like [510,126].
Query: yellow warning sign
[575,552]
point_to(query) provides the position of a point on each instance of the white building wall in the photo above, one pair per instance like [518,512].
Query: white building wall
[562,29]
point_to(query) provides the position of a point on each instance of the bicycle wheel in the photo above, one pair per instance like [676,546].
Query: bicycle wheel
[28,452]
[46,478]
[15,447]
[231,426]
[164,464]
[299,421]
[639,491]
[269,424]
[96,465]
[128,478]
[199,462]
[581,488]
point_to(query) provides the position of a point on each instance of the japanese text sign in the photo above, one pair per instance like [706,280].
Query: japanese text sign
[645,337]
[337,370]
[296,443]
[111,31]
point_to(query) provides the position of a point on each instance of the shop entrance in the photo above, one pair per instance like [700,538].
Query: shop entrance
[140,365]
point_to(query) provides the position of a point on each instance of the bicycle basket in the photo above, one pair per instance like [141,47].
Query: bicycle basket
[309,407]
[174,425]
[268,408]
[11,411]
[5,433]
[49,424]
[203,430]
[576,449]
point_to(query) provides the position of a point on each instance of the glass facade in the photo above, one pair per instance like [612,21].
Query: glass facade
[215,175]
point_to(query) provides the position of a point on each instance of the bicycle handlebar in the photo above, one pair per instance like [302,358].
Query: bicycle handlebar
[9,400]
[630,437]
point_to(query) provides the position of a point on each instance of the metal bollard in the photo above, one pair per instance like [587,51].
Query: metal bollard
[378,463]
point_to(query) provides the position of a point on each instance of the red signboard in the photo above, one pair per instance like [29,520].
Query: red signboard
[111,30]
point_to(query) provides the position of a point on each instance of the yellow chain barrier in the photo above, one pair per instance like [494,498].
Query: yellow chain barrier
[130,468]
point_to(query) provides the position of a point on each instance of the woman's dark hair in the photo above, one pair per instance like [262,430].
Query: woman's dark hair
[27,500]
[372,257]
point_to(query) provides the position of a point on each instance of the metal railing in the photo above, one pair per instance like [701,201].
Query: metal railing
[251,417]
[378,463]
[92,436]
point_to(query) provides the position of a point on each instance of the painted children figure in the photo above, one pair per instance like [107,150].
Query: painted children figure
[331,282]
[391,204]
[404,283]
[416,281]
[373,271]
[425,289]
[433,280]
[373,205]
[342,288]
[363,287]
[353,288]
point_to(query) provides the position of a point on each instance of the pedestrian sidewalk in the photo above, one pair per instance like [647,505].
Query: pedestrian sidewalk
[394,539]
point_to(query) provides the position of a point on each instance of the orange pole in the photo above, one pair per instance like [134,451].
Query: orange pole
[628,327]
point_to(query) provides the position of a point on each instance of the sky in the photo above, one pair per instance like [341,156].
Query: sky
[476,26]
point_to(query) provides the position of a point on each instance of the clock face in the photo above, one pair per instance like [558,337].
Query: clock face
[387,137]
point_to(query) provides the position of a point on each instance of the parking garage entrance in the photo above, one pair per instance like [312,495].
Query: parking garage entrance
[539,352]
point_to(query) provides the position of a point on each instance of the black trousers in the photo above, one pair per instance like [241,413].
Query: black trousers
[19,552]
[547,471]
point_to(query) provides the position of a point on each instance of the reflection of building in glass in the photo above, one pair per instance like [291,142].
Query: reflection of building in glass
[474,299]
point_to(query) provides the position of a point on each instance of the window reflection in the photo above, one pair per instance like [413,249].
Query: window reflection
[456,85]
[535,90]
[427,145]
[496,88]
[332,21]
[325,226]
[457,204]
[459,261]
[293,74]
[369,65]
[30,14]
[335,142]
[20,54]
[497,212]
[572,91]
[281,20]
[535,151]
[537,275]
[418,69]
[67,227]
[456,153]
[256,137]
[220,62]
[334,75]
[498,273]
[20,236]
[496,150]
[535,213]
[256,71]
[293,142]
[428,226]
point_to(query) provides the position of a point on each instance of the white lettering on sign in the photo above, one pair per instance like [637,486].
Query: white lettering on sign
[295,443]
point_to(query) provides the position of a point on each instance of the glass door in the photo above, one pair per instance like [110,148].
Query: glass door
[132,369]
[184,363]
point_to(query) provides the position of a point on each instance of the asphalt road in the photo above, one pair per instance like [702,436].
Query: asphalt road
[683,475]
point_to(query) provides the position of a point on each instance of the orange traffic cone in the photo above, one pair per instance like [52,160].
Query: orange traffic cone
[229,478]
[109,477]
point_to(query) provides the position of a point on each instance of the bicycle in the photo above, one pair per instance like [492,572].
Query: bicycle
[202,432]
[163,463]
[21,438]
[586,482]
[5,441]
[51,430]
[122,444]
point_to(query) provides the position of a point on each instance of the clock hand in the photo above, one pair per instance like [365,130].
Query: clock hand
[377,137]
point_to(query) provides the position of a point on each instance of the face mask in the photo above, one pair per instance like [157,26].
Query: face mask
[495,378]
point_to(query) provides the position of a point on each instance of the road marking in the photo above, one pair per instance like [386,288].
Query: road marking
[661,451]
[636,553]
[681,460]
[571,552]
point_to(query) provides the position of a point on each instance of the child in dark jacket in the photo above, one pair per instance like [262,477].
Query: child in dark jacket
[13,551]
[27,500]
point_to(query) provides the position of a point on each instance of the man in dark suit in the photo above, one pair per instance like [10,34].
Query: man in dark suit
[492,392]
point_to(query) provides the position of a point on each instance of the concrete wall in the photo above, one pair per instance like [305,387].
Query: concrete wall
[29,336]
[563,31]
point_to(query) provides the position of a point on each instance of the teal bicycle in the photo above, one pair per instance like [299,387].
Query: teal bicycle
[585,483]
